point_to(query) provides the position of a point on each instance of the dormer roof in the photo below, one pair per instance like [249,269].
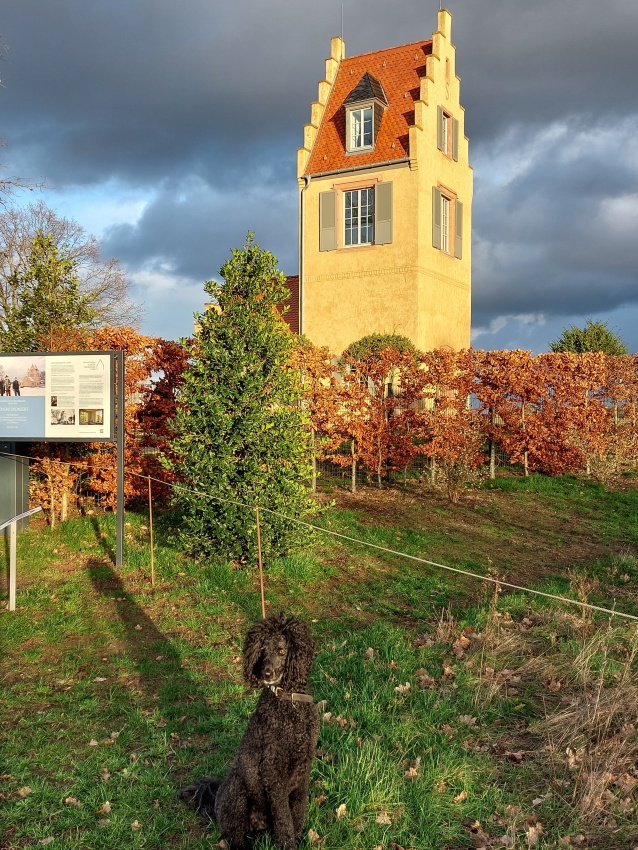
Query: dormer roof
[368,88]
[392,76]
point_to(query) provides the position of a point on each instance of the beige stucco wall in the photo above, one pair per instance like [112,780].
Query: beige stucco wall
[407,287]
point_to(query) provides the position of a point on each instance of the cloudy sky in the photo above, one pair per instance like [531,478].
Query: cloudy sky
[169,128]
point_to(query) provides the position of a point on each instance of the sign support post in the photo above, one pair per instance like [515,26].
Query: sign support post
[12,566]
[119,533]
[12,525]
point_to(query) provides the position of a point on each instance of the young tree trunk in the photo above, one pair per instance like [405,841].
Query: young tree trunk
[314,460]
[52,501]
[525,453]
[492,450]
[353,486]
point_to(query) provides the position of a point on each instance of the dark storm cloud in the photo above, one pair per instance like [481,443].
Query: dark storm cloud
[189,230]
[144,88]
[201,105]
[562,230]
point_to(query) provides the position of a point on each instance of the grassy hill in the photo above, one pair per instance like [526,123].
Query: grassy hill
[454,713]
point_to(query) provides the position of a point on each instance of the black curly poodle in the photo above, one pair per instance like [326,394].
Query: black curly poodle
[267,787]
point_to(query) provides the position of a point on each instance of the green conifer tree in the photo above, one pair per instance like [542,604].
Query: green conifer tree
[239,435]
[50,313]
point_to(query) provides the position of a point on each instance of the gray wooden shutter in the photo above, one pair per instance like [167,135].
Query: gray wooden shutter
[458,230]
[383,213]
[327,221]
[440,140]
[436,218]
[455,139]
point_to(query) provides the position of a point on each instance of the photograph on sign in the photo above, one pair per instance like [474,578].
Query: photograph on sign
[57,396]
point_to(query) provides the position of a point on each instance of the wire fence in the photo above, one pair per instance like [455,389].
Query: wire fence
[419,471]
[260,510]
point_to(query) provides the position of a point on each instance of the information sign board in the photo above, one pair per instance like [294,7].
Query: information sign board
[58,396]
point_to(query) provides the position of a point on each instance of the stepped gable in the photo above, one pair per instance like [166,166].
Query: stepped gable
[399,71]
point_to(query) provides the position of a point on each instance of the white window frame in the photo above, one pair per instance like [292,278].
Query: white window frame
[445,132]
[446,205]
[358,118]
[358,228]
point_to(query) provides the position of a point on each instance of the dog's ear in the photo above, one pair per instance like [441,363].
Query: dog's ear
[300,655]
[253,647]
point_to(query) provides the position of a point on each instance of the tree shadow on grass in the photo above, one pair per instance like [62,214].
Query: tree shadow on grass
[102,539]
[160,682]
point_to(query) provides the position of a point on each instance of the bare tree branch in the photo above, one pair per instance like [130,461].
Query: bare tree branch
[103,281]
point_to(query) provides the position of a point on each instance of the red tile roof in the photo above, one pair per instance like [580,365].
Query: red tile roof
[399,69]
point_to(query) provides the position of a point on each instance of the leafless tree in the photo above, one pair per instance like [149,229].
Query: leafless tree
[103,281]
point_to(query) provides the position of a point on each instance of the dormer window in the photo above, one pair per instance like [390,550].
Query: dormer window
[364,107]
[360,128]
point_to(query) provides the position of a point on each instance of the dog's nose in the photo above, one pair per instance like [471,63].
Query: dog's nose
[267,669]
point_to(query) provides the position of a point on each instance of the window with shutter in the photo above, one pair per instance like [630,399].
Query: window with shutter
[458,230]
[447,223]
[327,221]
[447,134]
[436,217]
[383,214]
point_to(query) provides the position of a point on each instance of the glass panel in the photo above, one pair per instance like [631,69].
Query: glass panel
[444,133]
[367,127]
[361,128]
[445,224]
[359,217]
[351,218]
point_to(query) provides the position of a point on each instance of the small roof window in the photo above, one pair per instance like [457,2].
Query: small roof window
[364,107]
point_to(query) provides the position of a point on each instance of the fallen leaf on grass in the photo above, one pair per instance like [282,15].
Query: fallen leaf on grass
[135,825]
[424,679]
[467,719]
[24,792]
[100,679]
[384,819]
[341,811]
[403,689]
[626,805]
[482,839]
[626,783]
[71,801]
[320,799]
[572,840]
[94,743]
[104,774]
[553,685]
[461,797]
[48,840]
[104,809]
[460,645]
[314,838]
[368,655]
[534,832]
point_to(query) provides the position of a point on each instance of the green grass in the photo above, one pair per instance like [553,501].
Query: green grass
[436,693]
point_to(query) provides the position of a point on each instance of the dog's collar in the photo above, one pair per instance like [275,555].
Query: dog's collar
[289,696]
